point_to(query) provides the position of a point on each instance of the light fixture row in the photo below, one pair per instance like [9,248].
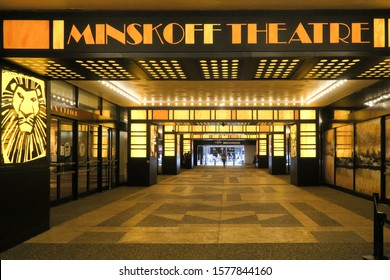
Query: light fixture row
[324,92]
[380,99]
[63,100]
[224,102]
[126,93]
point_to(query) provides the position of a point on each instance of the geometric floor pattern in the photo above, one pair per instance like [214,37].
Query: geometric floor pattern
[213,205]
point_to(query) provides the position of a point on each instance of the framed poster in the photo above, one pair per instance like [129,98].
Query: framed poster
[368,157]
[344,156]
[23,118]
[329,153]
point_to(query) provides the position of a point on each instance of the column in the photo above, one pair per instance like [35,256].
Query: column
[277,153]
[171,151]
[142,163]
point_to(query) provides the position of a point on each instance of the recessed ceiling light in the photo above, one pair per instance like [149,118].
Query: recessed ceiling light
[276,68]
[380,71]
[225,69]
[110,69]
[163,69]
[331,68]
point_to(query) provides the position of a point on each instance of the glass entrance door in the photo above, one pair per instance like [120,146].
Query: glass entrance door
[66,159]
[109,159]
[387,162]
[83,161]
[62,165]
[212,155]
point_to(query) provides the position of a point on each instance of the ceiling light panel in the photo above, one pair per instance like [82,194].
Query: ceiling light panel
[106,69]
[276,68]
[163,69]
[222,69]
[49,68]
[379,71]
[331,68]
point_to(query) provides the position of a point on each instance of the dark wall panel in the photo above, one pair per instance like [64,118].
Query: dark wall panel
[171,165]
[304,172]
[142,172]
[24,200]
[277,165]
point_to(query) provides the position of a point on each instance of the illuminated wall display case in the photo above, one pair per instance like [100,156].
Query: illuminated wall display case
[345,157]
[353,156]
[368,157]
[24,160]
[328,156]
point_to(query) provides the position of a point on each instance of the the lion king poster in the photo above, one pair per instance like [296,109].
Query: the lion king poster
[23,118]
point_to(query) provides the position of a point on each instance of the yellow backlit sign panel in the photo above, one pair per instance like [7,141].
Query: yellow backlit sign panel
[26,34]
[23,118]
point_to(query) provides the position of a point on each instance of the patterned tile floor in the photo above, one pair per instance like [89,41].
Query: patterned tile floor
[210,205]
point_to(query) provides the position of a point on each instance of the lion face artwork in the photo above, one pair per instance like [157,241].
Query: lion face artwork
[23,118]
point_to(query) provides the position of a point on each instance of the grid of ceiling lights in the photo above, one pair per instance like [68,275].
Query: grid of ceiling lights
[276,68]
[106,69]
[163,69]
[331,68]
[48,67]
[379,71]
[226,69]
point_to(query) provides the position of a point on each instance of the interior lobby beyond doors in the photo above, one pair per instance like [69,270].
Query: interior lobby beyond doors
[212,155]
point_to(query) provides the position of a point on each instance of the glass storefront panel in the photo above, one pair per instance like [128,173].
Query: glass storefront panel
[62,93]
[93,146]
[66,159]
[89,102]
[368,157]
[123,157]
[114,159]
[53,159]
[82,158]
[387,158]
[106,157]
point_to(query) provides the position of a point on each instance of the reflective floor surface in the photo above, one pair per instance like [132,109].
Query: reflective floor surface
[210,208]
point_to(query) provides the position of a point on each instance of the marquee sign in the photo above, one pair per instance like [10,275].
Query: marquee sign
[255,32]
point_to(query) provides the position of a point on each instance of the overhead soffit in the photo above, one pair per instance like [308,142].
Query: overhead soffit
[211,82]
[187,81]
